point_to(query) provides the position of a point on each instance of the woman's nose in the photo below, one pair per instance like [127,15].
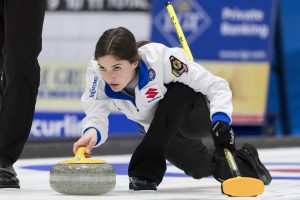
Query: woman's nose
[111,78]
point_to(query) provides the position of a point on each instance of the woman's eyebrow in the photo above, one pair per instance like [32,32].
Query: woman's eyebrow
[110,66]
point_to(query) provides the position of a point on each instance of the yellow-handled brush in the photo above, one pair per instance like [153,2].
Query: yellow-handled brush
[238,186]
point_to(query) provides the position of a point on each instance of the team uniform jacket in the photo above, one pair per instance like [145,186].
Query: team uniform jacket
[158,66]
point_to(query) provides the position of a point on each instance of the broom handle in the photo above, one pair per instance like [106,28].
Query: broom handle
[231,163]
[179,31]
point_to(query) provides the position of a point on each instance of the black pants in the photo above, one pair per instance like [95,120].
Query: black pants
[180,121]
[21,23]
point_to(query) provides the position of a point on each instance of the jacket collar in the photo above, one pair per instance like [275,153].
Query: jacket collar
[143,81]
[143,74]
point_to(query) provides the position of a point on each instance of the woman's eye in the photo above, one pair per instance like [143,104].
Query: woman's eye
[117,68]
[101,68]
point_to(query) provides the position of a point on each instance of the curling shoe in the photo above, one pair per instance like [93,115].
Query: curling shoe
[249,152]
[8,176]
[141,183]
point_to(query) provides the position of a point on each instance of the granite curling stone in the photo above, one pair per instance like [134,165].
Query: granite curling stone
[81,176]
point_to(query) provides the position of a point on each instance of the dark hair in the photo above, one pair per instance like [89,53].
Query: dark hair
[142,43]
[118,42]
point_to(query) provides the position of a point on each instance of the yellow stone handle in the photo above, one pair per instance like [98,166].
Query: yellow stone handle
[80,158]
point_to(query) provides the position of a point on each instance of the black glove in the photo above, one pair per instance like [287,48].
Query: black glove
[223,136]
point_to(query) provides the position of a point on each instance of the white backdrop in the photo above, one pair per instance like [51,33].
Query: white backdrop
[72,36]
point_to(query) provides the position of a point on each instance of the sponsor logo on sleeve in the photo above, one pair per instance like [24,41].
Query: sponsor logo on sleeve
[151,74]
[152,94]
[178,67]
[93,89]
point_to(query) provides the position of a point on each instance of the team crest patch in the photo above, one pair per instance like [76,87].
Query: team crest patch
[151,74]
[178,67]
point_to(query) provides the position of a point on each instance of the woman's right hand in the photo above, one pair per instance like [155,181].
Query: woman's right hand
[88,140]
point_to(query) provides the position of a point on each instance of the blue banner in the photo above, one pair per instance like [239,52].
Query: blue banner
[227,30]
[68,125]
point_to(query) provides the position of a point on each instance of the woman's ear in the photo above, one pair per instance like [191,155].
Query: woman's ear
[135,64]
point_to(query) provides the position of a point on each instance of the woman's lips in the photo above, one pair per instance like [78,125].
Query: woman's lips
[114,85]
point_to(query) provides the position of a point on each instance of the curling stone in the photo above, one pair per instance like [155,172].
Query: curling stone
[81,176]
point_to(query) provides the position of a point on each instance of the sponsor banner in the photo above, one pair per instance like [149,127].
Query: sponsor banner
[68,125]
[233,39]
[225,30]
[249,86]
[61,86]
[98,5]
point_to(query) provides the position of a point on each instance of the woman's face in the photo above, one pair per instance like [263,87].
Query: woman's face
[116,73]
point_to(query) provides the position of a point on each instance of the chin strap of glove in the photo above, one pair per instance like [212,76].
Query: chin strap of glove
[223,135]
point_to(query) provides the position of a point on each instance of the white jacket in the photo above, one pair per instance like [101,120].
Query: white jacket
[159,65]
